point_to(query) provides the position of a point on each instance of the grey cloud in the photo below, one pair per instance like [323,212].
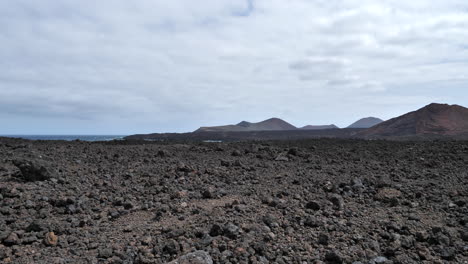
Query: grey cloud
[183,63]
[321,63]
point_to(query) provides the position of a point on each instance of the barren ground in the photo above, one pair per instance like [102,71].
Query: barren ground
[311,201]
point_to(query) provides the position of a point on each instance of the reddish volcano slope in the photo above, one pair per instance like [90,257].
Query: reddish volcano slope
[433,119]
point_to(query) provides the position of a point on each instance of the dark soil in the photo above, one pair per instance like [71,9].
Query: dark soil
[314,201]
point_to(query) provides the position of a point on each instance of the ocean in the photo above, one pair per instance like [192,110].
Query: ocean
[68,137]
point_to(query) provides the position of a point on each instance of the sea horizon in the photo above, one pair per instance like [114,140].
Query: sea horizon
[89,137]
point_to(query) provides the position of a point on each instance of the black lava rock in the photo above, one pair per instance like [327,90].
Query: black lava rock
[34,170]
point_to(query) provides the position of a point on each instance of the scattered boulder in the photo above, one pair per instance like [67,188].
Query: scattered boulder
[231,231]
[225,163]
[379,260]
[281,157]
[236,153]
[209,193]
[313,205]
[357,185]
[333,257]
[293,152]
[216,230]
[323,239]
[171,247]
[337,201]
[50,239]
[36,226]
[387,195]
[312,222]
[197,257]
[447,253]
[34,170]
[464,235]
[12,239]
[105,253]
[183,167]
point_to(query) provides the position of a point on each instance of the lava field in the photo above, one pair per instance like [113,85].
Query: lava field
[307,201]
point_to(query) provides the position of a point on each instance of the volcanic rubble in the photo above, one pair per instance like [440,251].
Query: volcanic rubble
[315,201]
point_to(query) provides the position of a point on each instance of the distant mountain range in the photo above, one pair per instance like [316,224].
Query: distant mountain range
[276,124]
[431,121]
[272,124]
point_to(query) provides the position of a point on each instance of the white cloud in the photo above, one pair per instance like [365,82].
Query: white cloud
[175,65]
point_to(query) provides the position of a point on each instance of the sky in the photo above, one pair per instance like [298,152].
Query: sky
[124,67]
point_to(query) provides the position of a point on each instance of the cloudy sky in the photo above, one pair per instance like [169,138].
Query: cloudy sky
[122,67]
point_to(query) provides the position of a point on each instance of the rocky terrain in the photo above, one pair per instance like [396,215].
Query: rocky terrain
[311,201]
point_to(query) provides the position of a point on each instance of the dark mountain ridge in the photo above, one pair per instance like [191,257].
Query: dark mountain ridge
[320,127]
[272,124]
